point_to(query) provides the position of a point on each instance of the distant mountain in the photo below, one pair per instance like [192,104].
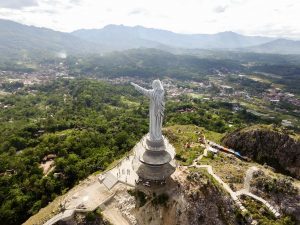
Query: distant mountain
[279,46]
[22,41]
[118,37]
[18,40]
[124,37]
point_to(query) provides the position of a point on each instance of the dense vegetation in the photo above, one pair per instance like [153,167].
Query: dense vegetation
[87,124]
[288,75]
[150,63]
[213,115]
[192,65]
[263,216]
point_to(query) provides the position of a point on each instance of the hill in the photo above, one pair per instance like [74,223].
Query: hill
[279,46]
[18,40]
[125,37]
[268,145]
[150,63]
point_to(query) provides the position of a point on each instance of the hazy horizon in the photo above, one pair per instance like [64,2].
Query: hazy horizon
[277,18]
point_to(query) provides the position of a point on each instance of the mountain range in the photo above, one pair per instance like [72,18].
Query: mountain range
[21,40]
[18,40]
[138,36]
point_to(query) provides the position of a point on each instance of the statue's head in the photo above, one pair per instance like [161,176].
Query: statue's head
[157,85]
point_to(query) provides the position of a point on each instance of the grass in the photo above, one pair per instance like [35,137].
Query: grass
[182,135]
[193,95]
[204,175]
[185,140]
[230,169]
[45,213]
[262,215]
[260,79]
[213,136]
[53,208]
[128,102]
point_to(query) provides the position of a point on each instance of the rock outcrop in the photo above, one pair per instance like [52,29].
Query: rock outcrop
[278,191]
[265,144]
[196,200]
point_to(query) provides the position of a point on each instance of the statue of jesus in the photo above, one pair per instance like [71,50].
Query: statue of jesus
[157,107]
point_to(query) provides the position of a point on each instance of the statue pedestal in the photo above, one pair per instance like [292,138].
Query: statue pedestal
[154,160]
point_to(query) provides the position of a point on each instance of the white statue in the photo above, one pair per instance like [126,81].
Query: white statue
[157,107]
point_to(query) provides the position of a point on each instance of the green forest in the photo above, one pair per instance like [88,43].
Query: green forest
[87,124]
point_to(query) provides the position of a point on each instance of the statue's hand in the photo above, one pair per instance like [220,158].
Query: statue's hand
[140,89]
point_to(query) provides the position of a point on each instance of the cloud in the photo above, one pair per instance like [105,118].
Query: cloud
[17,4]
[188,16]
[40,11]
[76,2]
[220,9]
[139,12]
[278,30]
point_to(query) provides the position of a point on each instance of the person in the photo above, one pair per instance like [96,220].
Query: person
[157,107]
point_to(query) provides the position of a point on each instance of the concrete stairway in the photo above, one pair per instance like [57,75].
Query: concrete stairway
[110,180]
[268,205]
[66,215]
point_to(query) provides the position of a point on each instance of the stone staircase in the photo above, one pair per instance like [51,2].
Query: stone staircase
[110,180]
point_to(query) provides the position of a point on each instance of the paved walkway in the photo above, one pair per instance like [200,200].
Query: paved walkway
[269,206]
[94,194]
[68,214]
[124,171]
[234,195]
[248,177]
[88,198]
[223,184]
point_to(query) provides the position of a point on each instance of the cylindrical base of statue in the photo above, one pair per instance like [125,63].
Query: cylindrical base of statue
[154,160]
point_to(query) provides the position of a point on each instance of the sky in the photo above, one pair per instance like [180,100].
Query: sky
[275,18]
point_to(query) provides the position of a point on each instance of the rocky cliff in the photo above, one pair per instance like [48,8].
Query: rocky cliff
[266,144]
[197,199]
[192,198]
[279,190]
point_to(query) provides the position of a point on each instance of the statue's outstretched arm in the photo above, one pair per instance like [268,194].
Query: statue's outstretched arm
[140,89]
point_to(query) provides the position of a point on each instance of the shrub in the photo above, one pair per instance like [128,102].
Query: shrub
[90,216]
[161,199]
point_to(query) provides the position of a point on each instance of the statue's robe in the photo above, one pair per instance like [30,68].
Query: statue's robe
[156,111]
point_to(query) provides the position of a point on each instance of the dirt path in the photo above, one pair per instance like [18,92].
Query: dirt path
[248,177]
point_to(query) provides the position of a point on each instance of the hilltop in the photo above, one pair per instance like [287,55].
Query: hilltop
[266,144]
[196,194]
